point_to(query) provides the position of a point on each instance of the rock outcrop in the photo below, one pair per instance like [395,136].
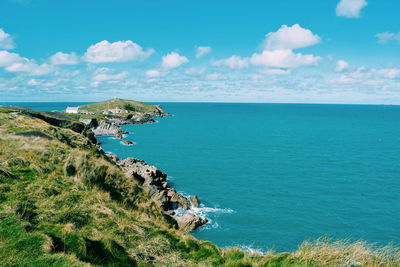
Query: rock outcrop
[105,128]
[153,180]
[127,142]
[194,200]
[189,221]
[111,125]
[156,186]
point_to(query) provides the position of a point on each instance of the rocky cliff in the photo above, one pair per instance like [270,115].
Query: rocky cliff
[110,125]
[156,186]
[153,181]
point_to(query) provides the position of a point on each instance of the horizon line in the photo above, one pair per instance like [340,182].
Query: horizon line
[208,102]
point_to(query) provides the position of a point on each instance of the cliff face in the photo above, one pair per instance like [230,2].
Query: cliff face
[152,181]
[53,177]
[63,202]
[74,203]
[110,125]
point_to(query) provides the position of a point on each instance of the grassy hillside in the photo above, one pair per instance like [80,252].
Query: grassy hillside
[64,203]
[130,105]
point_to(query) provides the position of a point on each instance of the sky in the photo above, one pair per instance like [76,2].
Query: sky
[288,51]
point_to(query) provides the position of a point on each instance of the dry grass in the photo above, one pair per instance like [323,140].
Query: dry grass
[326,252]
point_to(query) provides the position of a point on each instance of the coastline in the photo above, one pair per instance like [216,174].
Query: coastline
[76,205]
[174,204]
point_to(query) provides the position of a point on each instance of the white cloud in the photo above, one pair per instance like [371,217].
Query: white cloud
[6,40]
[278,49]
[234,62]
[195,71]
[13,62]
[370,77]
[213,76]
[34,82]
[43,83]
[341,65]
[61,58]
[392,73]
[290,38]
[30,67]
[202,51]
[120,51]
[275,71]
[173,60]
[7,58]
[284,58]
[106,74]
[385,37]
[350,8]
[155,73]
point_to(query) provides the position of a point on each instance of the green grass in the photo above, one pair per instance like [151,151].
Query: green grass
[64,203]
[130,105]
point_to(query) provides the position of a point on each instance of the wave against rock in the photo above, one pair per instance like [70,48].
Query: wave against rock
[156,186]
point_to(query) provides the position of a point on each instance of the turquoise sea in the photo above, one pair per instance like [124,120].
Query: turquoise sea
[273,175]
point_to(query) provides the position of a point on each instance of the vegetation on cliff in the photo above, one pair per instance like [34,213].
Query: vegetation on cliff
[64,203]
[130,106]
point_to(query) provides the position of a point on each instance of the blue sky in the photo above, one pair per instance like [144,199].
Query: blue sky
[330,51]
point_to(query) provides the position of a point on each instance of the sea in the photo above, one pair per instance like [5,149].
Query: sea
[270,176]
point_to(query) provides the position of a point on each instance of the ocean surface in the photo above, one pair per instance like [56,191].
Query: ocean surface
[274,175]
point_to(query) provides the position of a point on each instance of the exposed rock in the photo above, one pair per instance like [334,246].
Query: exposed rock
[194,200]
[126,142]
[111,125]
[106,128]
[168,212]
[155,184]
[112,156]
[189,221]
[178,199]
[119,135]
[154,181]
[92,123]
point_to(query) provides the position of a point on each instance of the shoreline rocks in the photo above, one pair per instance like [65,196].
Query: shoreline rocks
[156,186]
[194,200]
[111,125]
[127,143]
[189,222]
[153,180]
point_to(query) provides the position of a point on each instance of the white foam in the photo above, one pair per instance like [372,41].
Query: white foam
[251,249]
[203,210]
[210,225]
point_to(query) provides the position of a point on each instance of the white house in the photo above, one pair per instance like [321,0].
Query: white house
[74,110]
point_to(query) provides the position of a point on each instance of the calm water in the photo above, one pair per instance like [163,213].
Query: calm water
[273,175]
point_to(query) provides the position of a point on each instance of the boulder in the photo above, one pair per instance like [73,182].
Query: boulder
[189,222]
[127,143]
[177,199]
[119,135]
[194,200]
